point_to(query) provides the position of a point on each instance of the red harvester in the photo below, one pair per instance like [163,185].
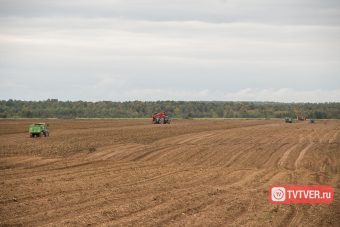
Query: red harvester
[160,118]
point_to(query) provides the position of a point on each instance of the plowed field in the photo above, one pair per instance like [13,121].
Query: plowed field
[191,172]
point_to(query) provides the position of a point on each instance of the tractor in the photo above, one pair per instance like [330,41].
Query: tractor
[39,130]
[161,118]
[288,120]
[300,118]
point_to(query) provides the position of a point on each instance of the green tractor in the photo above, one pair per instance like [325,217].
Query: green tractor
[289,120]
[38,130]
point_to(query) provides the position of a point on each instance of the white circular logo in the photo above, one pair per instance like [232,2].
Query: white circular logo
[278,194]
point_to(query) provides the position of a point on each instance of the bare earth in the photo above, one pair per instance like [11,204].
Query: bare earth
[192,172]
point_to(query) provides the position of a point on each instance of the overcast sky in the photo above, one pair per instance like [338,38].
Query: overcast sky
[118,50]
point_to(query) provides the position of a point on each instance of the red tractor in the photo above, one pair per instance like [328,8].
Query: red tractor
[160,118]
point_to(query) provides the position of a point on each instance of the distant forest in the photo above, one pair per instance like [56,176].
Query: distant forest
[53,108]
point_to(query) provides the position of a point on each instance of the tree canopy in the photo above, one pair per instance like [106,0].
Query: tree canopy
[53,108]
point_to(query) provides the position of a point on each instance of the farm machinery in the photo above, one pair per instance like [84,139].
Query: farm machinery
[289,120]
[161,118]
[300,118]
[38,130]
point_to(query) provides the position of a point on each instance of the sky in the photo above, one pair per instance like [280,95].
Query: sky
[191,50]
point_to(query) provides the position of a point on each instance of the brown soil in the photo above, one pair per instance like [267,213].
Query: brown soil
[192,172]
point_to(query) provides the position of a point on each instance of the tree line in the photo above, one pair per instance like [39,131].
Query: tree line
[53,108]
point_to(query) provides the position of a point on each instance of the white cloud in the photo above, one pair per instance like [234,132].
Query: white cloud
[192,42]
[260,11]
[248,94]
[284,95]
[196,57]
